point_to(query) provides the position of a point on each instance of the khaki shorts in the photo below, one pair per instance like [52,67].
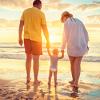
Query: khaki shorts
[32,47]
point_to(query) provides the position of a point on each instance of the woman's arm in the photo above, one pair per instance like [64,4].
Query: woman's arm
[62,51]
[85,33]
[64,38]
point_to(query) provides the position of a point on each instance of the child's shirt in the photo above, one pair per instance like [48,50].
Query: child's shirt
[53,63]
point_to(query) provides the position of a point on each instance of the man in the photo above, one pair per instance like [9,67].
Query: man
[33,19]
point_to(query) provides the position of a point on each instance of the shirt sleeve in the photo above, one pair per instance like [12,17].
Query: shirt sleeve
[43,20]
[22,17]
[85,33]
[64,38]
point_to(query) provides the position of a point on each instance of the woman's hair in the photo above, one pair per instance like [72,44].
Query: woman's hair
[66,14]
[36,2]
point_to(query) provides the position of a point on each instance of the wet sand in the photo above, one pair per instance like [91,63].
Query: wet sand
[13,86]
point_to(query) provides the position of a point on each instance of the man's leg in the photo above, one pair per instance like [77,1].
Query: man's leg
[36,68]
[28,66]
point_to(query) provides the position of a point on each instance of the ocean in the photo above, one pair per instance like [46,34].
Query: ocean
[14,51]
[9,48]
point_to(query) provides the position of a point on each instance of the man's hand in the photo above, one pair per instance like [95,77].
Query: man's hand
[20,32]
[20,42]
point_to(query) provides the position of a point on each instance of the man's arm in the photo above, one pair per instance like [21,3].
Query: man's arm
[46,34]
[20,32]
[45,30]
[49,52]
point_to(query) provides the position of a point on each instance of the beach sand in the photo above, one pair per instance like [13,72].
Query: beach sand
[13,86]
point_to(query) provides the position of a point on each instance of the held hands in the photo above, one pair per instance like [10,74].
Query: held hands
[62,51]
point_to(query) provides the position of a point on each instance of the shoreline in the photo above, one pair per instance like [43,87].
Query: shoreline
[13,77]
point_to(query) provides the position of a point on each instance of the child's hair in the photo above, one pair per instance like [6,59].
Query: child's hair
[36,2]
[55,51]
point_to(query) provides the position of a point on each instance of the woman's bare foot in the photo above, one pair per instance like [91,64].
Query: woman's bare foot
[75,89]
[37,82]
[28,81]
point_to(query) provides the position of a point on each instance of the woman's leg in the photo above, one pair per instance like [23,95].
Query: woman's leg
[72,68]
[77,69]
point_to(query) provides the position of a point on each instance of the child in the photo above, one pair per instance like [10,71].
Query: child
[53,65]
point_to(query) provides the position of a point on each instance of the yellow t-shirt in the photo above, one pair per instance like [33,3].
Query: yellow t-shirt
[33,20]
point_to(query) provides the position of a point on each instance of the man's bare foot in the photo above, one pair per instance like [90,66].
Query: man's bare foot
[74,95]
[71,82]
[28,81]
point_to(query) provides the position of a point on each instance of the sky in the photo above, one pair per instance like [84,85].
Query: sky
[10,11]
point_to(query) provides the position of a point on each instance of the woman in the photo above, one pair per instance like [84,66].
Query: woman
[76,38]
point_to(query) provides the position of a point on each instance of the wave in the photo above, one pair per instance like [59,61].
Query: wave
[46,57]
[14,51]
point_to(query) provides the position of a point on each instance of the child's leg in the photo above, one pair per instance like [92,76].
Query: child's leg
[55,78]
[50,75]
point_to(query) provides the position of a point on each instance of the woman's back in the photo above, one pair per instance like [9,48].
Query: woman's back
[75,33]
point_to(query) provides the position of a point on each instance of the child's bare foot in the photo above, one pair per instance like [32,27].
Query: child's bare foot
[49,85]
[56,84]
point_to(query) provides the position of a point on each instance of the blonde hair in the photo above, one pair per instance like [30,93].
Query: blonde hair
[55,51]
[66,14]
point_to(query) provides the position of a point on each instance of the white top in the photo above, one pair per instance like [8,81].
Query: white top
[75,36]
[53,63]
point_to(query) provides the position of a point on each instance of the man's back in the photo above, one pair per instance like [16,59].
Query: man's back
[33,19]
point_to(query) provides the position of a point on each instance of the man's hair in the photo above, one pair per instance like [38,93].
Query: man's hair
[36,2]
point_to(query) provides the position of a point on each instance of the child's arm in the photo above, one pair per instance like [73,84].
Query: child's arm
[49,52]
[62,51]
